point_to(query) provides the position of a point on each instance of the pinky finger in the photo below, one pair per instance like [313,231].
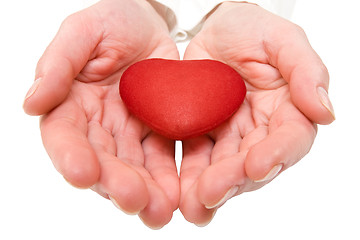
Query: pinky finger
[65,141]
[285,145]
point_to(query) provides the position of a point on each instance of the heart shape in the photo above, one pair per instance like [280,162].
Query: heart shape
[181,99]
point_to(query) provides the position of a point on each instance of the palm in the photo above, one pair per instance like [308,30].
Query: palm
[268,129]
[91,137]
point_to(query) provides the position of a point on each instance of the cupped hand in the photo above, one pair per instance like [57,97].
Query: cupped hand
[276,125]
[87,131]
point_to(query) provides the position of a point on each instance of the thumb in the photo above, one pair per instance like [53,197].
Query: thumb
[61,62]
[306,74]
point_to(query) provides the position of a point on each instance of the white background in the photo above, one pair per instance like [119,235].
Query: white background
[318,198]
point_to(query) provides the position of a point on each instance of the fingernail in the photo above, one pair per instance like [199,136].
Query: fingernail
[229,194]
[272,174]
[33,89]
[118,206]
[71,184]
[207,222]
[325,100]
[151,227]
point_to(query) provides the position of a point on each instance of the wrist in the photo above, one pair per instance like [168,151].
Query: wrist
[281,8]
[230,4]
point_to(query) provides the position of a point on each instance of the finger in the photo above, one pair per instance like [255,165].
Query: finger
[196,159]
[289,139]
[303,69]
[226,176]
[118,181]
[195,51]
[222,181]
[228,136]
[125,187]
[137,184]
[160,162]
[64,136]
[130,150]
[61,62]
[193,210]
[158,211]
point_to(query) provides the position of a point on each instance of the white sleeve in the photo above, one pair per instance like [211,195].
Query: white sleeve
[185,17]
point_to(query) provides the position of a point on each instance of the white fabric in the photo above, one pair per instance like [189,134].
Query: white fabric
[190,13]
[185,17]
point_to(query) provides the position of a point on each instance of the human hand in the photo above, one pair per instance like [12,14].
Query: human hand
[276,125]
[92,140]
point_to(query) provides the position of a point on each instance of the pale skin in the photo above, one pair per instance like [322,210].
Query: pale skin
[276,125]
[94,142]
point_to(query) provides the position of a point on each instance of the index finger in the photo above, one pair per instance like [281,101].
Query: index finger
[302,68]
[63,132]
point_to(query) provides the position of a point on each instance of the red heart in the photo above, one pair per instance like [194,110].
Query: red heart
[182,99]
